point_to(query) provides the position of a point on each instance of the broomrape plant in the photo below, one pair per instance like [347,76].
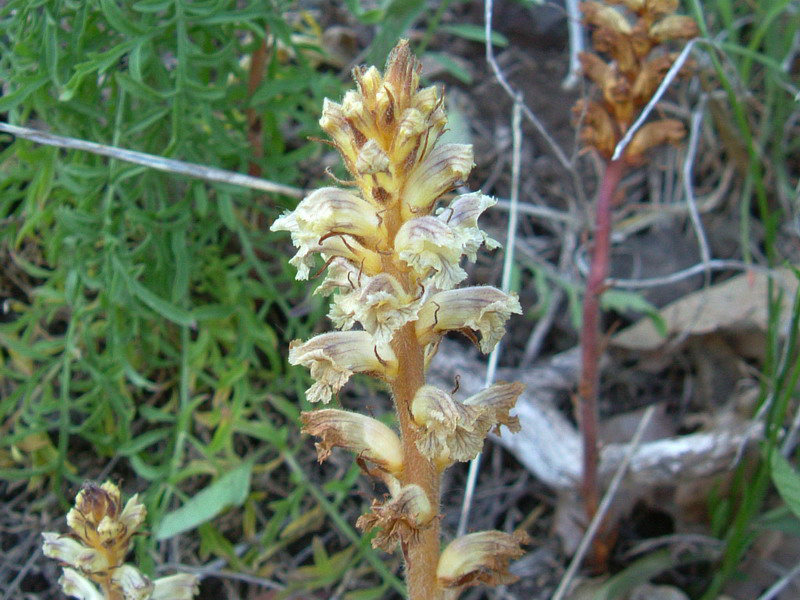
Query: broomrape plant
[634,38]
[392,261]
[94,551]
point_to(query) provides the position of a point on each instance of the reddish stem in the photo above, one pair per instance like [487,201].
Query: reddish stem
[590,340]
[258,62]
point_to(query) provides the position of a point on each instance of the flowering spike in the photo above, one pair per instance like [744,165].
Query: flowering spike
[628,81]
[97,546]
[393,260]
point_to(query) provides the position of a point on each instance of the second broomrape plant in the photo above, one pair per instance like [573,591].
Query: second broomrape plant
[392,262]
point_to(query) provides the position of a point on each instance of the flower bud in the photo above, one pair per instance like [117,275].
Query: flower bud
[402,74]
[367,437]
[480,559]
[369,82]
[410,130]
[99,520]
[334,357]
[372,159]
[334,123]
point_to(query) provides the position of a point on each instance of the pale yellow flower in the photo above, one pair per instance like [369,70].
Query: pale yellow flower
[482,309]
[367,437]
[480,559]
[400,518]
[334,357]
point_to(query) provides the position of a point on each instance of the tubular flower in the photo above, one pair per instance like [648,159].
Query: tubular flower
[334,357]
[76,585]
[393,260]
[480,558]
[635,71]
[97,545]
[481,309]
[400,518]
[367,437]
[380,305]
[454,431]
[175,587]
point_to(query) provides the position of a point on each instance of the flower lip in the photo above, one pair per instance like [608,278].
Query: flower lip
[450,431]
[381,305]
[134,584]
[72,552]
[428,244]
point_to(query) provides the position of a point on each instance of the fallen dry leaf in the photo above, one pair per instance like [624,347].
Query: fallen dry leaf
[738,304]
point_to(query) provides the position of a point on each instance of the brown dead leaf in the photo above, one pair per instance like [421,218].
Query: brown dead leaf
[738,304]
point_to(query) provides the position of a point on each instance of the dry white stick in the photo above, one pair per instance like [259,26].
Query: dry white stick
[508,263]
[711,265]
[159,163]
[668,78]
[575,29]
[688,187]
[542,212]
[780,585]
[562,158]
[605,504]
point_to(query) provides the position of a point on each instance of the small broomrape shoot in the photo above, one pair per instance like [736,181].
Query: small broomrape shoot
[101,532]
[633,39]
[393,262]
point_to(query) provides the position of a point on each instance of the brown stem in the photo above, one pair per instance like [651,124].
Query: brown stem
[590,344]
[258,63]
[422,554]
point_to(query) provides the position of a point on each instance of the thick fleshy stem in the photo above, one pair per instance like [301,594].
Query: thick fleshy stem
[422,553]
[591,347]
